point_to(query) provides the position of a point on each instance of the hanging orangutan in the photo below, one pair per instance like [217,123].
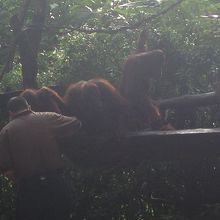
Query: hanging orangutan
[138,69]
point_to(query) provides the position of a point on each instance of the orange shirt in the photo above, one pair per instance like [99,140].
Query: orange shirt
[28,143]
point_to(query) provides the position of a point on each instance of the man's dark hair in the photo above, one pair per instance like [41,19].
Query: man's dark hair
[17,103]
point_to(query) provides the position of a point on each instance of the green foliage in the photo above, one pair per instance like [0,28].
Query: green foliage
[69,54]
[79,42]
[194,38]
[85,56]
[154,190]
[6,199]
[13,80]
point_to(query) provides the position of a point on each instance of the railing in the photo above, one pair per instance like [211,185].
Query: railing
[136,146]
[178,169]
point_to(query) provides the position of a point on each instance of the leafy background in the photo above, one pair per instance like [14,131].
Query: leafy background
[81,41]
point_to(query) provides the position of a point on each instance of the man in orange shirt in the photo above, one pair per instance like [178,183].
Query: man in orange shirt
[30,155]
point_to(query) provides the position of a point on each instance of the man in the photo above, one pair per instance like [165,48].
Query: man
[29,155]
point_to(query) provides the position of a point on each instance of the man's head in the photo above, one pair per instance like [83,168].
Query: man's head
[16,105]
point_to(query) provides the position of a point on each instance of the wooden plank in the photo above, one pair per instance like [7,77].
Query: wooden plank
[131,148]
[205,99]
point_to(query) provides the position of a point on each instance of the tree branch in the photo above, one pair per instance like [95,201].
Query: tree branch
[120,29]
[23,13]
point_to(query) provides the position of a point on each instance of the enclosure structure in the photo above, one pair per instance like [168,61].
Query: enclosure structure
[148,173]
[176,170]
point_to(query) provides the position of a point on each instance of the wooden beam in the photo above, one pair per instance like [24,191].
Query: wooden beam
[205,99]
[132,148]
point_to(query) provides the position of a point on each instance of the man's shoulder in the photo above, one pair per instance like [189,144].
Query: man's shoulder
[6,128]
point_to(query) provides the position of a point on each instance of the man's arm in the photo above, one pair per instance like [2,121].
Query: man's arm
[64,126]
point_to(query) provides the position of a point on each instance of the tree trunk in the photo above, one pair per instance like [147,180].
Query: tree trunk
[29,43]
[28,48]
